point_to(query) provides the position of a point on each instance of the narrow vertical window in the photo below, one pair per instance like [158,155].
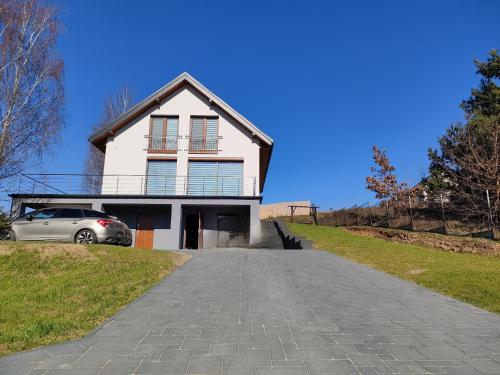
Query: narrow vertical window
[204,137]
[163,134]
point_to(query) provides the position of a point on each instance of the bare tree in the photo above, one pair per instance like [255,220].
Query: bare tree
[469,160]
[114,106]
[31,83]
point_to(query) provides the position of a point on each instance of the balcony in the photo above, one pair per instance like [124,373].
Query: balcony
[204,145]
[123,184]
[164,145]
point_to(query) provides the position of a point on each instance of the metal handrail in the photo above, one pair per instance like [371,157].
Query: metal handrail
[136,184]
[204,144]
[155,143]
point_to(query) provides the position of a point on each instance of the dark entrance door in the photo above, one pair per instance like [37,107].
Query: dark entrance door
[192,230]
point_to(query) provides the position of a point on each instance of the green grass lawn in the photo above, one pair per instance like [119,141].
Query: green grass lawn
[54,292]
[474,279]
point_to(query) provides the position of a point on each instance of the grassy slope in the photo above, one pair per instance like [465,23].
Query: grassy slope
[48,299]
[470,278]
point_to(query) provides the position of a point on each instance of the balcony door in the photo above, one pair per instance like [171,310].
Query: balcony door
[161,177]
[163,134]
[215,178]
[204,136]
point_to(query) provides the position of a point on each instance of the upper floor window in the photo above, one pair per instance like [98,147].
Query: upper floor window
[204,137]
[163,134]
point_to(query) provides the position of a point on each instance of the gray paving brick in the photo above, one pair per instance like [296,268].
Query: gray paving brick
[331,366]
[308,354]
[246,360]
[266,341]
[205,364]
[161,368]
[119,368]
[281,370]
[237,371]
[223,349]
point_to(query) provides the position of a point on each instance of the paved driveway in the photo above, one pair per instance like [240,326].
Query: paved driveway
[264,312]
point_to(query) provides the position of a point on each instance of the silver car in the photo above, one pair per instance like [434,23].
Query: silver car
[73,224]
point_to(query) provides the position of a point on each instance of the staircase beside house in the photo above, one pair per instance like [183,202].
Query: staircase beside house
[270,238]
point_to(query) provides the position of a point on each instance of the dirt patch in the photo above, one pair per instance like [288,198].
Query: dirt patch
[49,249]
[441,242]
[416,271]
[180,258]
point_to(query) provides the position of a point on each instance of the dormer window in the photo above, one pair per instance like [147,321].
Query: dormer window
[163,134]
[204,136]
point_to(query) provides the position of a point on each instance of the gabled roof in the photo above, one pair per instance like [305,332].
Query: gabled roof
[156,98]
[99,138]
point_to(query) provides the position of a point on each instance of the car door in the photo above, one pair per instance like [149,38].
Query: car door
[38,228]
[64,227]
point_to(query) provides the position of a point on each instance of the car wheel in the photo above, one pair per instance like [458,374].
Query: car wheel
[86,236]
[6,235]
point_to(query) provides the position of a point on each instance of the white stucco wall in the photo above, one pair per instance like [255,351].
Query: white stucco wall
[126,152]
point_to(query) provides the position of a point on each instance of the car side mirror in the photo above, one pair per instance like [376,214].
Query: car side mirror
[29,218]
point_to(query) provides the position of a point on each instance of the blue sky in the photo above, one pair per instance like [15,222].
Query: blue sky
[325,79]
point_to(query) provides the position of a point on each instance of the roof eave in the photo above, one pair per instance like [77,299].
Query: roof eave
[155,98]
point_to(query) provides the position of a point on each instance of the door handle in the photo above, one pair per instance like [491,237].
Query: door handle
[74,222]
[46,223]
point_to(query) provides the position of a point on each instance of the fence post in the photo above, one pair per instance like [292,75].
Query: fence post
[387,213]
[356,213]
[442,214]
[490,216]
[411,212]
[345,217]
[370,214]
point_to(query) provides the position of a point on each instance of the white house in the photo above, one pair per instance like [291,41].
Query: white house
[182,168]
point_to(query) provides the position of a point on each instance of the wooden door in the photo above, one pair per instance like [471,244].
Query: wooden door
[144,232]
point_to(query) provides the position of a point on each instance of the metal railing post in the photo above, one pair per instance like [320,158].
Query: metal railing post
[142,181]
[442,214]
[411,212]
[490,216]
[387,213]
[254,186]
[117,183]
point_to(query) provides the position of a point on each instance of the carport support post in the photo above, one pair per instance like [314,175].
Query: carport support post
[255,229]
[17,208]
[175,226]
[97,206]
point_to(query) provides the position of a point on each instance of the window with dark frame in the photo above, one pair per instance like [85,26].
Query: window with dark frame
[204,134]
[163,134]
